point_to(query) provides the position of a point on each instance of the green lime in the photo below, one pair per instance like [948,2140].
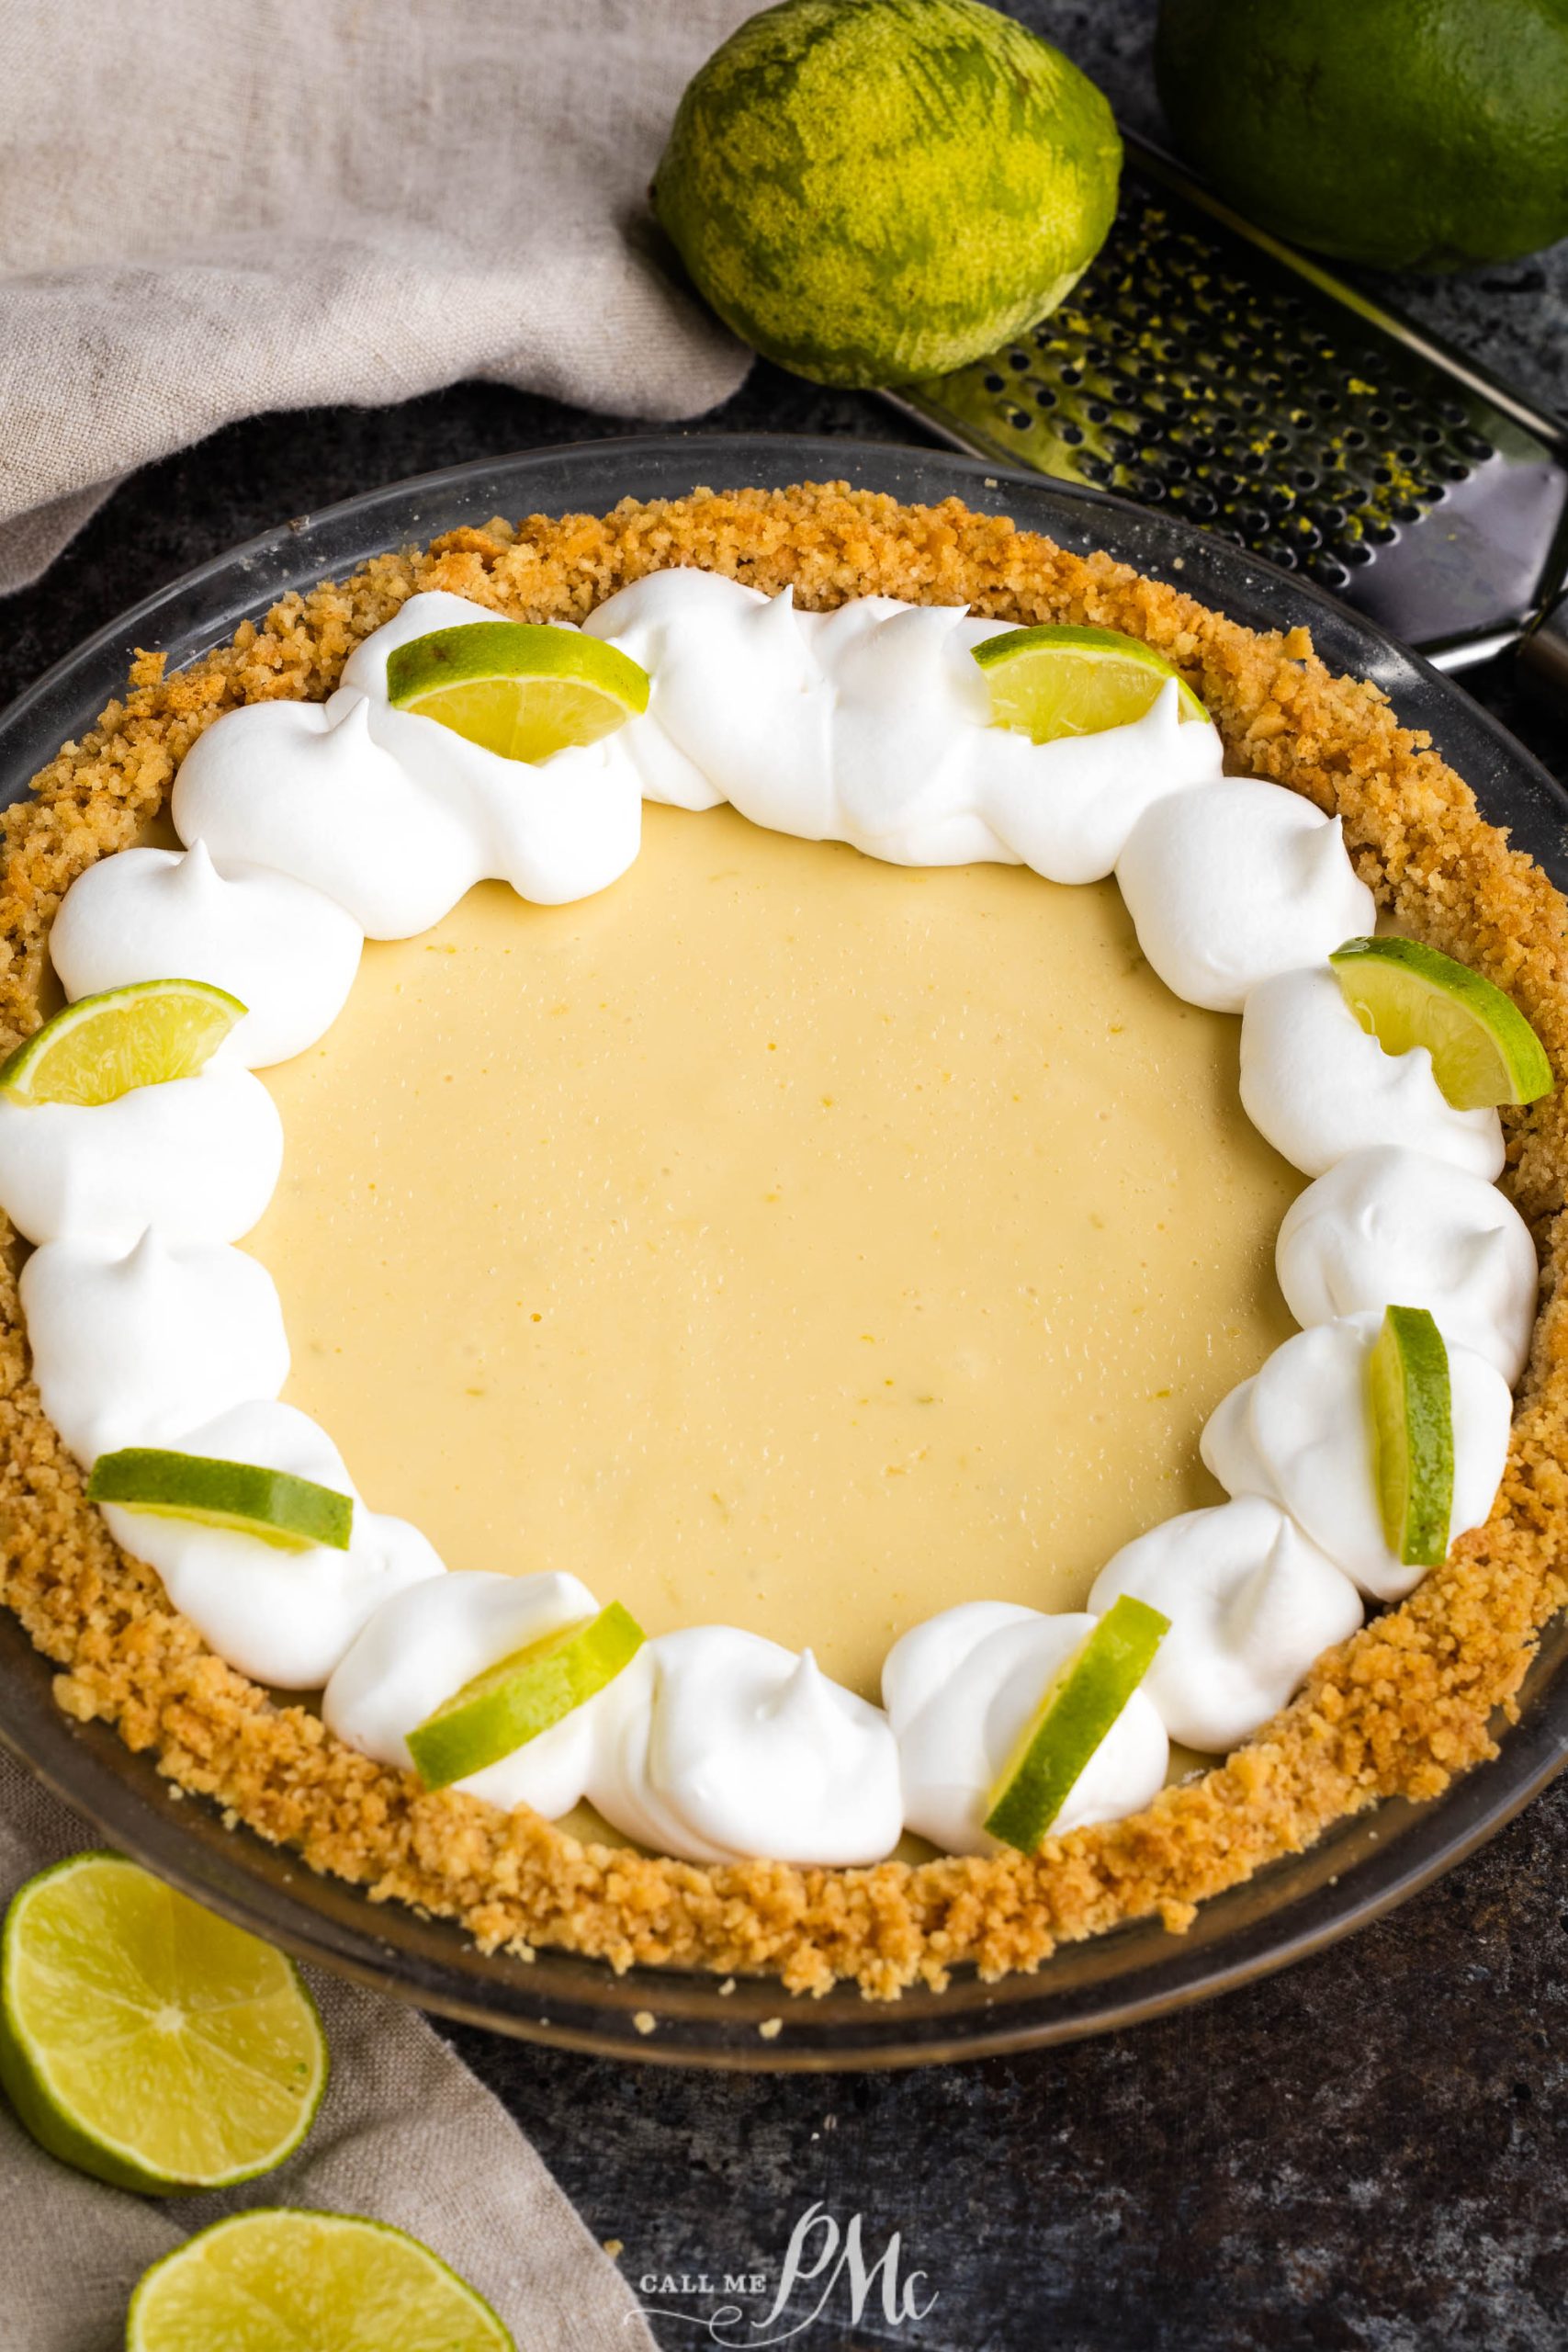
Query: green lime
[511,1703]
[1414,134]
[1483,1050]
[512,688]
[101,1047]
[1081,1703]
[872,194]
[276,2280]
[147,2042]
[1051,681]
[245,1496]
[1412,1435]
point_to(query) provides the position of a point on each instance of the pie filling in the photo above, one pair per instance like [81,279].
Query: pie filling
[833,1263]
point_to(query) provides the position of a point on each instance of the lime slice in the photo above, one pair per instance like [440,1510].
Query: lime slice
[511,1703]
[98,1049]
[281,1509]
[147,2042]
[276,2280]
[1081,1703]
[1412,1435]
[1483,1050]
[1048,683]
[512,688]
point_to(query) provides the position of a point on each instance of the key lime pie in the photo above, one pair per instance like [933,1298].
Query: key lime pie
[779,1234]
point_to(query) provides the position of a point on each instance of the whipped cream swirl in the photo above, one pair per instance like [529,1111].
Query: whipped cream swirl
[1251,1601]
[1227,887]
[1300,1433]
[199,1157]
[1388,1227]
[718,1746]
[960,1691]
[137,1348]
[871,724]
[425,1642]
[283,1616]
[1316,1085]
[285,951]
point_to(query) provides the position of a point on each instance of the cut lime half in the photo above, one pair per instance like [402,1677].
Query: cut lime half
[516,689]
[512,1703]
[1404,994]
[279,2280]
[1048,683]
[1412,1435]
[101,1047]
[245,1496]
[1080,1705]
[147,2042]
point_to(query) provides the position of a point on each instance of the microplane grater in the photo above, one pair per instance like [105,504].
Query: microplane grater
[1202,367]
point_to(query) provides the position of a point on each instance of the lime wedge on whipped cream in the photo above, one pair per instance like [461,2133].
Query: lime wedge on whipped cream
[148,2042]
[517,689]
[514,1702]
[101,1047]
[1080,1705]
[1411,1405]
[243,1496]
[1051,681]
[1405,994]
[277,2279]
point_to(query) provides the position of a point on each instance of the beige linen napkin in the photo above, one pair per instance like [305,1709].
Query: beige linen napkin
[405,2134]
[208,209]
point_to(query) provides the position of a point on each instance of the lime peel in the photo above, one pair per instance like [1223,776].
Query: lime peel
[216,2063]
[278,2279]
[1411,1404]
[1080,1705]
[102,1046]
[511,1703]
[1053,682]
[1405,994]
[246,1497]
[515,688]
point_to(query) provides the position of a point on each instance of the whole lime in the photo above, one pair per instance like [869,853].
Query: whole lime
[1413,134]
[871,190]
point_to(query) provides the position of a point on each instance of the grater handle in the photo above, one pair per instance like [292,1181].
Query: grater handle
[1543,654]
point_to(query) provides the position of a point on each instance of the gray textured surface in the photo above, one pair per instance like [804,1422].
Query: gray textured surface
[1366,2152]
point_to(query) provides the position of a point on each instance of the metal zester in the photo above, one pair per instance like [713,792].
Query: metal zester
[1203,368]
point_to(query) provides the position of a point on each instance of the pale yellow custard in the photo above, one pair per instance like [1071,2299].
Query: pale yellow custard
[777,1238]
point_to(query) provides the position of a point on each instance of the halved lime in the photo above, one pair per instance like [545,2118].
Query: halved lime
[98,1049]
[1052,682]
[245,1496]
[1412,1435]
[1404,994]
[1080,1703]
[516,689]
[511,1703]
[277,2279]
[147,2042]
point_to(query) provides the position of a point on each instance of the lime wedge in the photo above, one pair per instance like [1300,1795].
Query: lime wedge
[276,2280]
[512,688]
[1081,1703]
[511,1703]
[98,1049]
[1048,683]
[147,2042]
[273,1504]
[1412,1435]
[1483,1050]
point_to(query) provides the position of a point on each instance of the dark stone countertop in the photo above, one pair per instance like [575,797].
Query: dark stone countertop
[1368,2151]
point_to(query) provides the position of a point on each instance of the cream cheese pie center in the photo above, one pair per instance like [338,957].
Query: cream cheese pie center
[777,1238]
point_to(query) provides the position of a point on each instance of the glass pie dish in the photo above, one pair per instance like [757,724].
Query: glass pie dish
[1366,1863]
